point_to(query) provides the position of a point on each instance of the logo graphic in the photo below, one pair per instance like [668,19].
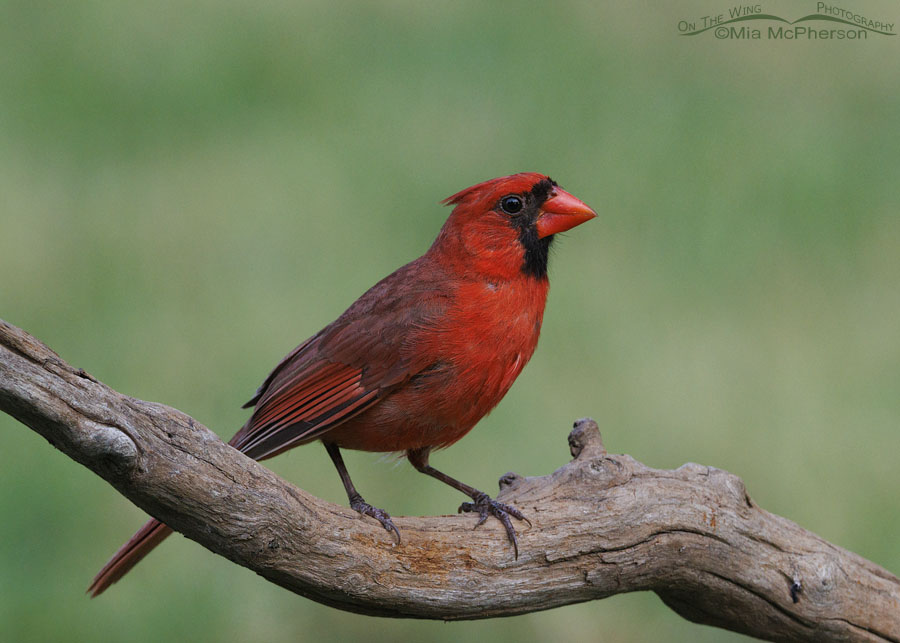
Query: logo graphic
[744,22]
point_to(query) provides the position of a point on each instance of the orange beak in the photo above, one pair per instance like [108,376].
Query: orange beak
[562,212]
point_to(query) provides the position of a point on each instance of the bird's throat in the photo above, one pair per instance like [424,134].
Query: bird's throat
[537,252]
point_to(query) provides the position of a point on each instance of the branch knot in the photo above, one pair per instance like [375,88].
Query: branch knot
[585,441]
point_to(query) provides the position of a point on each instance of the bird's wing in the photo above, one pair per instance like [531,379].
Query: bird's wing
[346,368]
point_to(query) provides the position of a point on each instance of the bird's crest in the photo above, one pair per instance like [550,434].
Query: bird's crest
[495,188]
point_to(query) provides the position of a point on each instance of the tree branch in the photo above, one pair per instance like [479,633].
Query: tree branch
[602,525]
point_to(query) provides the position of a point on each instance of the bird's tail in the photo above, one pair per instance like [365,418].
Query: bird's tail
[129,554]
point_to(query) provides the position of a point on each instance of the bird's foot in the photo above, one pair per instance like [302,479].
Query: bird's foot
[486,506]
[359,505]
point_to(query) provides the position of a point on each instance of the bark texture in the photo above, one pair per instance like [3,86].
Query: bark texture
[602,524]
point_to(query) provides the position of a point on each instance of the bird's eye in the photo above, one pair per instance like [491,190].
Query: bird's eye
[511,204]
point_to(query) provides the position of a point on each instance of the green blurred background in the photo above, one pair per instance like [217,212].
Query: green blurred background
[189,190]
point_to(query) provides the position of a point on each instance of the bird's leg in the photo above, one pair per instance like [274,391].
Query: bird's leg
[356,501]
[481,502]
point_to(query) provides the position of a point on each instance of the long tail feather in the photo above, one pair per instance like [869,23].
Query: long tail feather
[129,554]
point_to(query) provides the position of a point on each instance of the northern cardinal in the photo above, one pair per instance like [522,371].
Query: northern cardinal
[423,355]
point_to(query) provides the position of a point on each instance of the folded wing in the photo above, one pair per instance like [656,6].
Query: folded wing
[344,370]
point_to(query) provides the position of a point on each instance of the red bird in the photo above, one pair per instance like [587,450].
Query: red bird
[423,355]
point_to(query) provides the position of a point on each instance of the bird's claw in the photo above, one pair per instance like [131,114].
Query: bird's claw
[363,507]
[486,506]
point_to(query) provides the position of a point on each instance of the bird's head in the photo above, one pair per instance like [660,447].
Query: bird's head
[505,225]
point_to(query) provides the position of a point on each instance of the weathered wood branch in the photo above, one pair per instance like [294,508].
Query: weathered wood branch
[602,524]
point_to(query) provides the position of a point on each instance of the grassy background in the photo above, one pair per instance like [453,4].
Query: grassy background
[186,192]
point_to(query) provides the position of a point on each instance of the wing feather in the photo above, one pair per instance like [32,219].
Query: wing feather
[348,367]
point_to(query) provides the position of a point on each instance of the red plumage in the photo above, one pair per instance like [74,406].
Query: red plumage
[419,358]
